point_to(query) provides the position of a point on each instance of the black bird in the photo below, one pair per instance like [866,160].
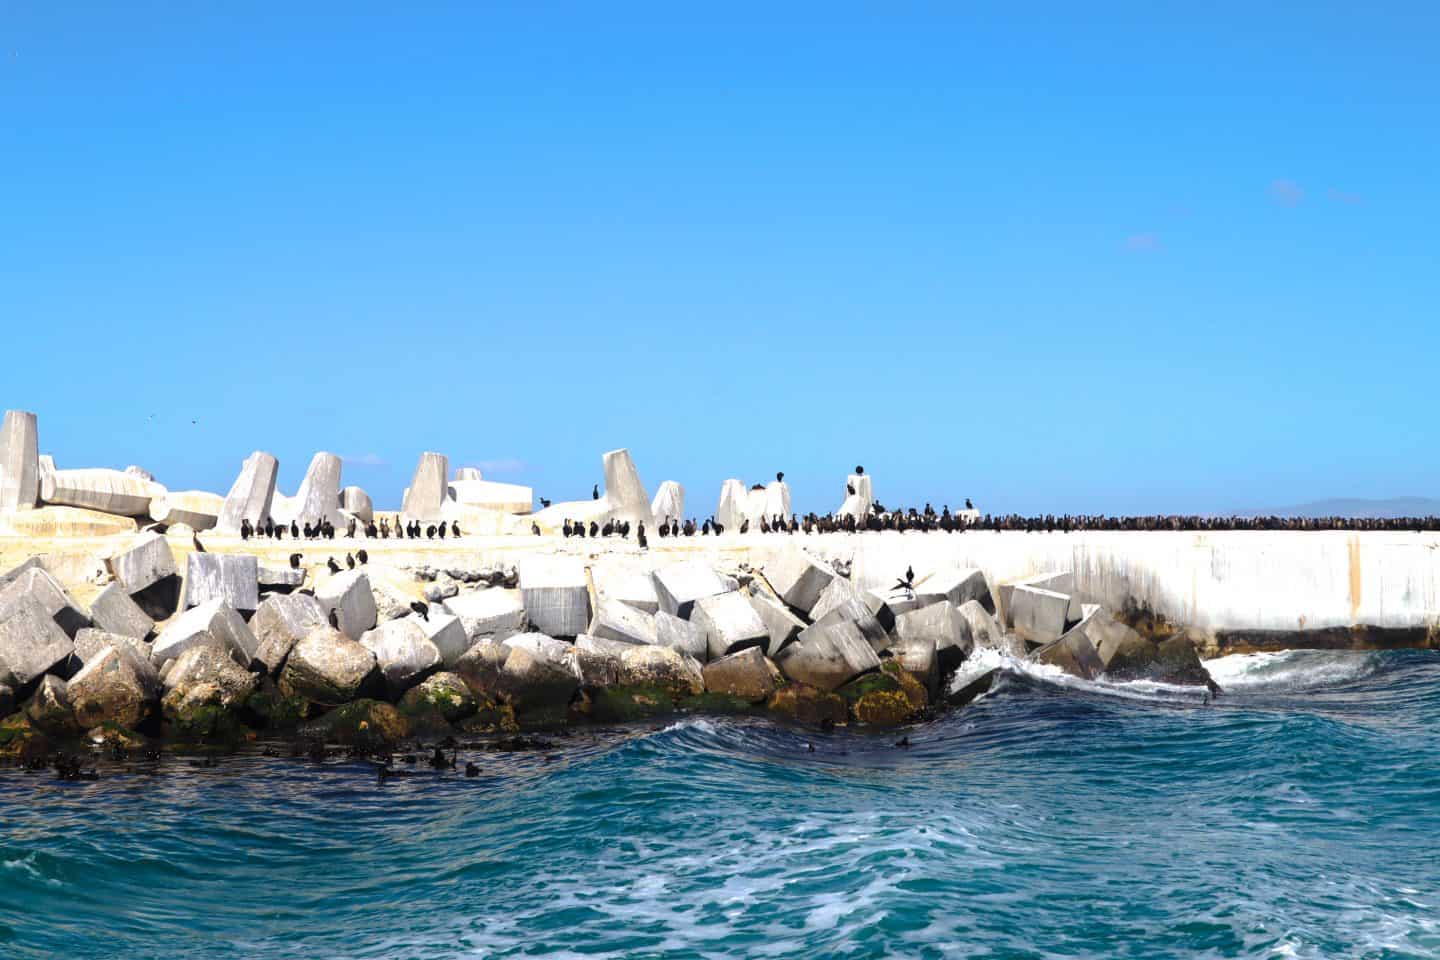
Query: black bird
[745,525]
[269,528]
[780,477]
[362,556]
[294,530]
[350,530]
[640,537]
[674,528]
[422,609]
[565,528]
[471,770]
[908,584]
[438,761]
[594,529]
[968,504]
[334,567]
[859,471]
[903,743]
[371,531]
[544,503]
[349,562]
[441,530]
[454,529]
[535,529]
[850,489]
[195,539]
[595,492]
[294,561]
[705,529]
[334,619]
[430,532]
[308,531]
[244,529]
[664,529]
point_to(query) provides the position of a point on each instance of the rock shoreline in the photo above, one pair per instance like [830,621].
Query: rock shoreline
[230,653]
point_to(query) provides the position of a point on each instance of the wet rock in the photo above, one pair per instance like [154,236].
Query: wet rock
[328,668]
[444,695]
[49,707]
[965,687]
[1126,655]
[371,725]
[7,700]
[480,667]
[679,585]
[209,622]
[1073,653]
[596,661]
[114,612]
[280,623]
[942,625]
[730,623]
[748,674]
[116,685]
[806,704]
[493,614]
[828,655]
[31,644]
[348,595]
[210,664]
[986,632]
[268,708]
[532,681]
[404,654]
[883,698]
[661,667]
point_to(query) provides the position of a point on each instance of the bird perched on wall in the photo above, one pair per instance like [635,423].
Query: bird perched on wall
[294,530]
[595,492]
[422,609]
[362,556]
[705,529]
[371,530]
[544,503]
[745,525]
[308,530]
[674,528]
[594,529]
[332,565]
[907,584]
[764,525]
[968,504]
[430,532]
[454,529]
[780,477]
[195,541]
[850,488]
[295,561]
[384,529]
[859,471]
[535,529]
[640,537]
[578,529]
[350,529]
[663,530]
[442,530]
[349,562]
[244,529]
[334,619]
[565,530]
[609,529]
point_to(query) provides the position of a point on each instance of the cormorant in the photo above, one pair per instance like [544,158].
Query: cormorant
[334,567]
[334,619]
[454,528]
[564,529]
[442,531]
[244,529]
[421,608]
[640,537]
[362,556]
[294,561]
[430,532]
[544,503]
[780,477]
[594,529]
[535,529]
[968,504]
[850,488]
[674,528]
[349,562]
[471,770]
[195,539]
[294,530]
[595,492]
[745,525]
[859,471]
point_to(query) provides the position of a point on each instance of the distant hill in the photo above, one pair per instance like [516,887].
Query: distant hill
[1356,507]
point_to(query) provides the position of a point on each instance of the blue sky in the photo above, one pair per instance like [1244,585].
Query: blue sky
[1100,257]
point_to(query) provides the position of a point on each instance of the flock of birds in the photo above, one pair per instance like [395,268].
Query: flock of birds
[325,530]
[1066,523]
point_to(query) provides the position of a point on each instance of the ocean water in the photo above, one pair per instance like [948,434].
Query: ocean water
[1297,816]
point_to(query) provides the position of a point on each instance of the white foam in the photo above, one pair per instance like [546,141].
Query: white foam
[1290,670]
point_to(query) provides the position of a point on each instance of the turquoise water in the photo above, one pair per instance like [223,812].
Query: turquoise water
[1297,817]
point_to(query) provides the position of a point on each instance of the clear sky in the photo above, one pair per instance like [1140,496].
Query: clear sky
[1052,256]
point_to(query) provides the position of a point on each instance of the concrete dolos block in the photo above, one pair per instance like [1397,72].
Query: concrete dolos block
[212,622]
[37,585]
[319,495]
[828,655]
[232,578]
[19,461]
[861,503]
[731,511]
[679,585]
[109,491]
[730,623]
[556,594]
[30,643]
[252,493]
[113,611]
[428,488]
[144,564]
[1038,615]
[357,502]
[798,578]
[197,509]
[669,502]
[349,596]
